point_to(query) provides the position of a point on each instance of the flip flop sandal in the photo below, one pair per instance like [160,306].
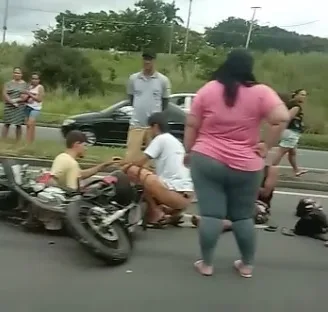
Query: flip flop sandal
[271,229]
[298,174]
[197,266]
[194,221]
[176,221]
[287,232]
[160,224]
[238,267]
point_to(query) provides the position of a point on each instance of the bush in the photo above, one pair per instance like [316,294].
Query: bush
[187,73]
[60,66]
[313,141]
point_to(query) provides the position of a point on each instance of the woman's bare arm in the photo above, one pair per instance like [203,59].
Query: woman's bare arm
[5,96]
[38,97]
[277,119]
[191,130]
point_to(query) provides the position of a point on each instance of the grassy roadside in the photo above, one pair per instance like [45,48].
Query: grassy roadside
[314,141]
[49,150]
[280,71]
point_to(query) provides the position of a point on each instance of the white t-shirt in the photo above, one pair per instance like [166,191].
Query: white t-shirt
[168,154]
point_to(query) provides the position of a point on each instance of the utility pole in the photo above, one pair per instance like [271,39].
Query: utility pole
[251,25]
[171,38]
[5,21]
[188,27]
[62,38]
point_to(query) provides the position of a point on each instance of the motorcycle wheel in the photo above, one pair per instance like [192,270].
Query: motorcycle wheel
[113,251]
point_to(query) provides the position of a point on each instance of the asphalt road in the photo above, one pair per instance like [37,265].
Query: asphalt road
[306,158]
[291,273]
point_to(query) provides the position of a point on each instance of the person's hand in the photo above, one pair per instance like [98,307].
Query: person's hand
[186,160]
[262,149]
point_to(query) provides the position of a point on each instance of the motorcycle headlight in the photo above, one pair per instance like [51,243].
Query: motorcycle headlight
[68,122]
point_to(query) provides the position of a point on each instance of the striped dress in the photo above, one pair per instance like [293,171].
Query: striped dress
[14,115]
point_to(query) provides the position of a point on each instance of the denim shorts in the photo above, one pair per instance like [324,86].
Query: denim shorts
[289,139]
[31,112]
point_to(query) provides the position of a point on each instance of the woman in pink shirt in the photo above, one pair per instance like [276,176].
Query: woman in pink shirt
[226,156]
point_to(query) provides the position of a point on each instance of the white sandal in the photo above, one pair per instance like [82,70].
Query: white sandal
[243,270]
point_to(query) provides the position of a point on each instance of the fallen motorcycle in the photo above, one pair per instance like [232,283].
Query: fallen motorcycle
[102,216]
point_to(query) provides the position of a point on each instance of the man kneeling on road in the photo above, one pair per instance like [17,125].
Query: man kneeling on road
[170,191]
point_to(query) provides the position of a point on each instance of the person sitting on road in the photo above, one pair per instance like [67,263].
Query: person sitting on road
[65,171]
[168,192]
[265,195]
[66,174]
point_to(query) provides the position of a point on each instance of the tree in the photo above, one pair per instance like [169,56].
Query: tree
[65,67]
[232,33]
[148,25]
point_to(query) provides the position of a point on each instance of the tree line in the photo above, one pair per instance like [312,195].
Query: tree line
[156,24]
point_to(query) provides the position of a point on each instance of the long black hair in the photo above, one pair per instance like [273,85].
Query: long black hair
[297,92]
[235,71]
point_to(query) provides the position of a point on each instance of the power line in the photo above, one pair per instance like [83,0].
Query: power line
[254,35]
[127,23]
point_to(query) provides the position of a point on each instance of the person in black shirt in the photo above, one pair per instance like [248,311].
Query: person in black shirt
[292,134]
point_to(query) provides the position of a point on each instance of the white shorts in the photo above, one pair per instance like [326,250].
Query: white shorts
[289,139]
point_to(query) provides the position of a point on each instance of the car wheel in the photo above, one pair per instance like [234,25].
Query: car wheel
[91,136]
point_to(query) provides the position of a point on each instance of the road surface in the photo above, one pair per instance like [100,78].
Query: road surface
[306,158]
[291,273]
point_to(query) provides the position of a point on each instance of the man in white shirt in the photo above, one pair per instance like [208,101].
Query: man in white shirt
[172,186]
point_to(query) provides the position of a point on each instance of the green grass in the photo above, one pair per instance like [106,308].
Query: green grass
[49,150]
[282,72]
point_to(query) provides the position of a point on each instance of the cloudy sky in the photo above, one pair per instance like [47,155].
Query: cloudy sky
[307,18]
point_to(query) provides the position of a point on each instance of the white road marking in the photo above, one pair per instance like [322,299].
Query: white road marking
[301,194]
[305,168]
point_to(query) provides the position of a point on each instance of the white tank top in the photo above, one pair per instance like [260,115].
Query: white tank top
[35,105]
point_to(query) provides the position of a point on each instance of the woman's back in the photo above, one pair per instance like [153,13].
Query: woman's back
[230,133]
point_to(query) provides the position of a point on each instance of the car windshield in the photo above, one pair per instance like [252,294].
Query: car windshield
[115,107]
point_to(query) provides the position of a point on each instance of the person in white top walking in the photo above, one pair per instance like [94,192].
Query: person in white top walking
[34,105]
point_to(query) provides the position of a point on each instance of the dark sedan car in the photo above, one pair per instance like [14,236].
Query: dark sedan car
[110,126]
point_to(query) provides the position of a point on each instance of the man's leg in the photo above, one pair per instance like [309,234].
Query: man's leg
[147,139]
[156,190]
[134,144]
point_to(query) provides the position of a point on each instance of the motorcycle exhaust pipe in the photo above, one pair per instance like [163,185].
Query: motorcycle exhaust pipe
[116,215]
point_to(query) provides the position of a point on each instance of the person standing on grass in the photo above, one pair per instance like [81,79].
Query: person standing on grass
[14,104]
[291,135]
[148,93]
[33,107]
[226,156]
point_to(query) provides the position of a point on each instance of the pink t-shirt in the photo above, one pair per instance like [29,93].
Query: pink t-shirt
[230,134]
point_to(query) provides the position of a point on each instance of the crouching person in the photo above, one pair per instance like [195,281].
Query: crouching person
[169,190]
